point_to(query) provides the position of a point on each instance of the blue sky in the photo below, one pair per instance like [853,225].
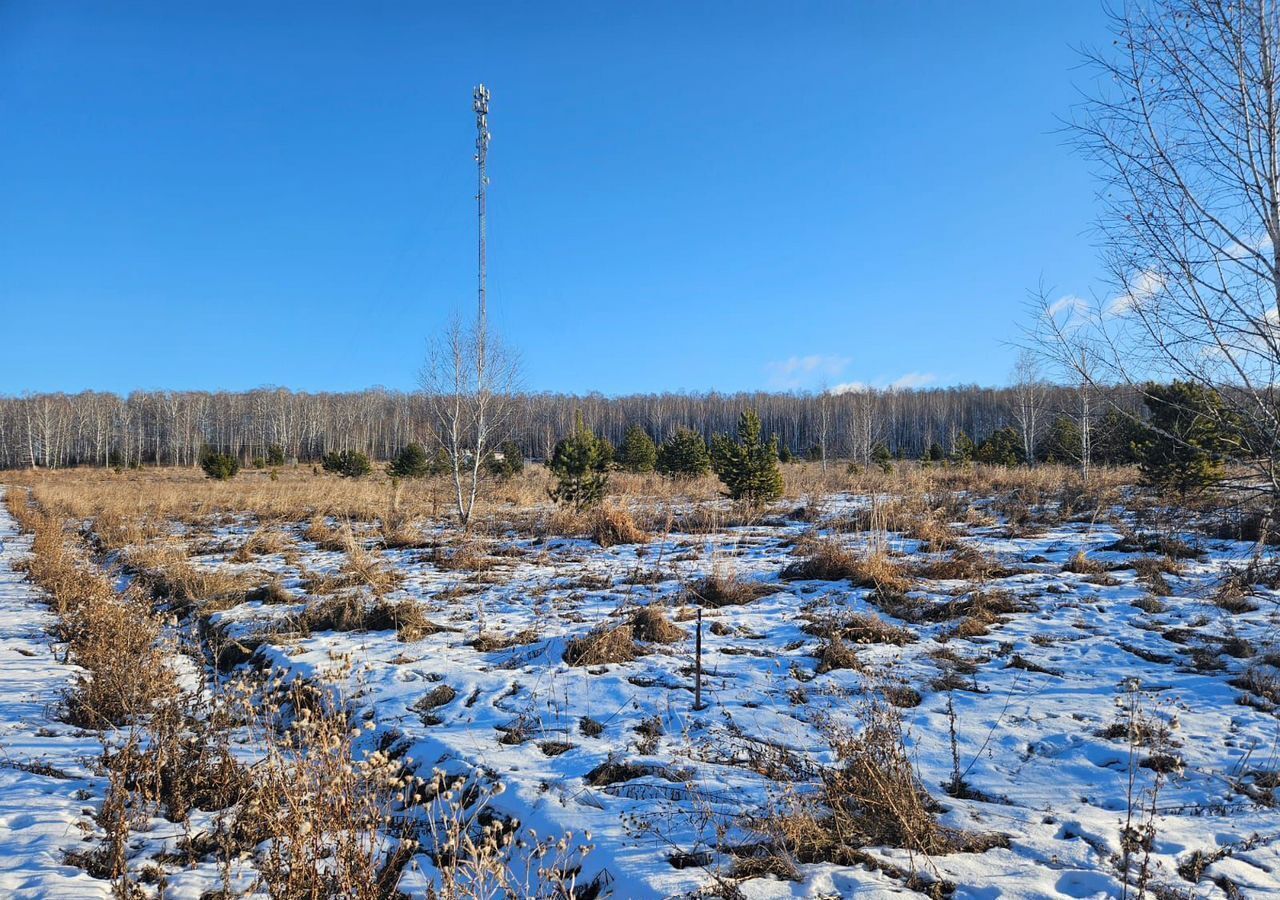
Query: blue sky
[685,196]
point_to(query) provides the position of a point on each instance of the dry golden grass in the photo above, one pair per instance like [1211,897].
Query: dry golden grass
[726,588]
[263,542]
[165,571]
[829,560]
[603,644]
[610,525]
[870,798]
[102,628]
[297,494]
[650,625]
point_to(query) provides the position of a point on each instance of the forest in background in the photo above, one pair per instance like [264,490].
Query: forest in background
[56,430]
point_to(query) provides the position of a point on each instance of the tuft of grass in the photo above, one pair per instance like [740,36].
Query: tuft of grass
[650,625]
[602,645]
[727,589]
[828,560]
[860,628]
[612,525]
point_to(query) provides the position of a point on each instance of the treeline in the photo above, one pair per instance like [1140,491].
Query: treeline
[174,427]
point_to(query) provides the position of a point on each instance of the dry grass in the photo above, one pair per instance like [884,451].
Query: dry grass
[366,568]
[870,798]
[611,525]
[935,534]
[1081,564]
[650,625]
[102,628]
[602,645]
[834,653]
[829,560]
[263,542]
[860,628]
[326,537]
[352,612]
[725,588]
[965,564]
[164,570]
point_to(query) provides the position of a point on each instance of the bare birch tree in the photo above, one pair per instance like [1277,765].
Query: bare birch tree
[469,381]
[1029,395]
[1184,127]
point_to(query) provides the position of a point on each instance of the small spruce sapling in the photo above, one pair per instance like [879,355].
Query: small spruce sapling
[749,466]
[580,463]
[684,455]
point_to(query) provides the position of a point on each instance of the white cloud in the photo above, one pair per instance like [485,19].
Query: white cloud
[849,387]
[1069,304]
[912,380]
[1141,289]
[909,381]
[805,371]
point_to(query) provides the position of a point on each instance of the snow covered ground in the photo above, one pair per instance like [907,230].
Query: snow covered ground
[1038,705]
[46,790]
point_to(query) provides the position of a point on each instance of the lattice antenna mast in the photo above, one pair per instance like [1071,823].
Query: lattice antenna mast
[480,103]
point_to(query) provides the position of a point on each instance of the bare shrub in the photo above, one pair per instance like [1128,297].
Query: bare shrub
[871,797]
[317,809]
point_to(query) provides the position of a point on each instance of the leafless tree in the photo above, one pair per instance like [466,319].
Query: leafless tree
[470,382]
[1029,394]
[1183,124]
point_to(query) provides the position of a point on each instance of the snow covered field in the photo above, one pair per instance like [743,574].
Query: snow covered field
[1062,689]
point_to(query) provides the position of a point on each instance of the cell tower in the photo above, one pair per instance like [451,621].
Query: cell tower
[480,103]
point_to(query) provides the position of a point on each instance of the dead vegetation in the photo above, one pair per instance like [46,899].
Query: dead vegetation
[725,588]
[101,628]
[859,628]
[828,560]
[651,626]
[871,797]
[603,645]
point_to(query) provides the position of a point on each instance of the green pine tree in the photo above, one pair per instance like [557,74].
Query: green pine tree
[1002,448]
[580,463]
[881,456]
[411,462]
[347,463]
[506,462]
[964,449]
[684,455]
[219,466]
[638,452]
[1183,448]
[1061,443]
[749,466]
[1115,438]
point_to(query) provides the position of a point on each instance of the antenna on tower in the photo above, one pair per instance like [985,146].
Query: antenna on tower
[480,103]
